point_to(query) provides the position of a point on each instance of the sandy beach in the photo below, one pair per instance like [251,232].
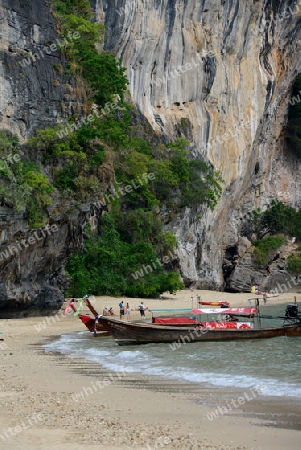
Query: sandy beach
[56,402]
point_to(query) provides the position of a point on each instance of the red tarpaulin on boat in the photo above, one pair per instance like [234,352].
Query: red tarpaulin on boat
[85,319]
[175,320]
[224,325]
[240,311]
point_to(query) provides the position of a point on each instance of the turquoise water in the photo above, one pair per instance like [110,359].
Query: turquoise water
[272,363]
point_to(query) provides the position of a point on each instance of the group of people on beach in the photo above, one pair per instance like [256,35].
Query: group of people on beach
[108,311]
[127,310]
[255,290]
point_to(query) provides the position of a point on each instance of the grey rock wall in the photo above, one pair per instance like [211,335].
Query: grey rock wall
[226,70]
[31,97]
[36,96]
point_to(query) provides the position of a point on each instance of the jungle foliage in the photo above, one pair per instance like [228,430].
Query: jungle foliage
[264,246]
[23,187]
[278,218]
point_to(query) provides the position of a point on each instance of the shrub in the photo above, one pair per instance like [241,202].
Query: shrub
[23,187]
[64,179]
[294,264]
[265,246]
[278,218]
[109,262]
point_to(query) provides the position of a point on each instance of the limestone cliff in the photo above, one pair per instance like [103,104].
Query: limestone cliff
[219,72]
[34,95]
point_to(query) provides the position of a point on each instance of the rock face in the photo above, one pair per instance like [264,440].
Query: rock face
[35,95]
[32,262]
[219,72]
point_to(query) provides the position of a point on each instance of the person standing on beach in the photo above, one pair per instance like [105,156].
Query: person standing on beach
[128,312]
[265,296]
[141,309]
[121,310]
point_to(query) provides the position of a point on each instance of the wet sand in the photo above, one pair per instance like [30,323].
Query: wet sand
[52,401]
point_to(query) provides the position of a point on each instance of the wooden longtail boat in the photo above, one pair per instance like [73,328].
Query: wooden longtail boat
[126,333]
[99,330]
[221,304]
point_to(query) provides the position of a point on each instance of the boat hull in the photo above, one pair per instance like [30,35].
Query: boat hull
[137,334]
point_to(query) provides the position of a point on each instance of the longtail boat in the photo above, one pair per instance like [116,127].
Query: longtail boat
[99,330]
[221,304]
[126,333]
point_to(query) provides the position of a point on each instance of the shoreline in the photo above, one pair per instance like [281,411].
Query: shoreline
[126,413]
[219,400]
[261,410]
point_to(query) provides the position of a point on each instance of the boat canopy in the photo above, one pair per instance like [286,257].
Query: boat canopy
[173,320]
[171,310]
[240,311]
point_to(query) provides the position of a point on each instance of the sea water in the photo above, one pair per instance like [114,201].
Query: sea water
[274,364]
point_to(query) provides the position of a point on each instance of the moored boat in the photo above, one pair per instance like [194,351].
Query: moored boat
[221,304]
[143,333]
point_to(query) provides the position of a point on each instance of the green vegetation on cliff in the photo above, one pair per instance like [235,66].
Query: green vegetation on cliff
[264,246]
[278,218]
[114,266]
[23,187]
[294,264]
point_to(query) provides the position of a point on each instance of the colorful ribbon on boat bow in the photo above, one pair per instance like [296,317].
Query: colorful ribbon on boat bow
[81,304]
[68,308]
